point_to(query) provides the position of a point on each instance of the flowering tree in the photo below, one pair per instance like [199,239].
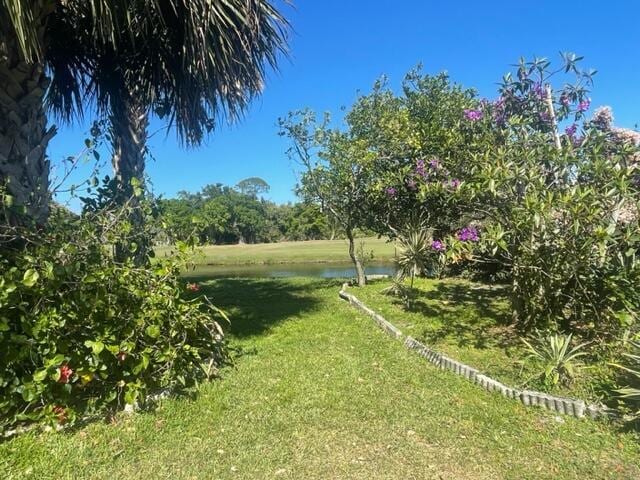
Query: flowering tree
[560,211]
[417,147]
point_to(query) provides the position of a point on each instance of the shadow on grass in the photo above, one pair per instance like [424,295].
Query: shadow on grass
[255,305]
[469,315]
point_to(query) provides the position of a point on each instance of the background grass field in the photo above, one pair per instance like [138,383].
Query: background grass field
[312,251]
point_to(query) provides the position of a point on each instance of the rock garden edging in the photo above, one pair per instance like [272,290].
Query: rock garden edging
[565,406]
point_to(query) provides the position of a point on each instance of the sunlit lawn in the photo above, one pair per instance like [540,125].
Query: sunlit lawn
[312,251]
[318,392]
[471,322]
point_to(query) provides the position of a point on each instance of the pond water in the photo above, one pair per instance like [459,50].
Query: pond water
[317,270]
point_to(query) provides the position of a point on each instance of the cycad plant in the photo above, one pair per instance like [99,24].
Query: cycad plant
[557,359]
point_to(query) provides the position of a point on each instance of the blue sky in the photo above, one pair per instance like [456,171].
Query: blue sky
[339,47]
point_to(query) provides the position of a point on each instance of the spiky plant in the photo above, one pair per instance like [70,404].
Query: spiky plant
[630,394]
[413,252]
[556,357]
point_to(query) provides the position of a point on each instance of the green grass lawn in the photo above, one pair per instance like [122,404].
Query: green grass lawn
[318,392]
[312,251]
[471,322]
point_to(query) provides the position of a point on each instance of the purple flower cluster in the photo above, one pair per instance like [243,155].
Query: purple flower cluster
[584,105]
[438,246]
[571,130]
[434,163]
[473,115]
[391,191]
[538,89]
[468,234]
[499,114]
[454,183]
[420,169]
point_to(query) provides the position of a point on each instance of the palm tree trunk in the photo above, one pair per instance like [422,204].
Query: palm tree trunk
[360,274]
[24,136]
[129,122]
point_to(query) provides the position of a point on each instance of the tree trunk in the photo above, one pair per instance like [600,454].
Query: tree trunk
[552,116]
[129,124]
[24,136]
[360,275]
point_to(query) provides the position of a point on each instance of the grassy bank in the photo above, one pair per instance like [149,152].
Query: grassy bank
[312,251]
[318,392]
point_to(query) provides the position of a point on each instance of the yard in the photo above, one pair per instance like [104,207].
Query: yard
[318,392]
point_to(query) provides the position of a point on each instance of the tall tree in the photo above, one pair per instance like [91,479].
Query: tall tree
[253,186]
[334,175]
[193,62]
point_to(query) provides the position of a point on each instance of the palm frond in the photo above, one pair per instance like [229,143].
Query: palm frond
[194,62]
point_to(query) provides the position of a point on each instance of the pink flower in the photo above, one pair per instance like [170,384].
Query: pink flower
[538,89]
[193,287]
[61,413]
[571,130]
[391,191]
[473,115]
[584,105]
[468,234]
[66,372]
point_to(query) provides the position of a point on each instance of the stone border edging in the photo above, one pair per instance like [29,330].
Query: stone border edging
[565,406]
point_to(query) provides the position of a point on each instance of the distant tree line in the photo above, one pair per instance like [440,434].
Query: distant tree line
[220,214]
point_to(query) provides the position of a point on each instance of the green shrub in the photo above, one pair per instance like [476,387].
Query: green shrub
[81,333]
[559,211]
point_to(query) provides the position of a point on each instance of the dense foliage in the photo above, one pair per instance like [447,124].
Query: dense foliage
[559,212]
[219,214]
[82,333]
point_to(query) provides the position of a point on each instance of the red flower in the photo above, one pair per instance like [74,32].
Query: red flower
[121,356]
[66,372]
[61,413]
[193,287]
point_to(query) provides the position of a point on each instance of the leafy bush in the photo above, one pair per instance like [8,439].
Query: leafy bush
[560,212]
[81,333]
[556,358]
